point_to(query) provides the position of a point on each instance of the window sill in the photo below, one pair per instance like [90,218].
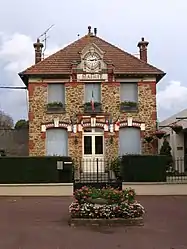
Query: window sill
[55,110]
[130,109]
[95,111]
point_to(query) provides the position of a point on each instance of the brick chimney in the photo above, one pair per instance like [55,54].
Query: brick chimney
[38,50]
[143,49]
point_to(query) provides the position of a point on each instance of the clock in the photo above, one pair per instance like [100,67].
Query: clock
[92,61]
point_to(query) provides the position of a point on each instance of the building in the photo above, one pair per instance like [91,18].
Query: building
[91,99]
[175,128]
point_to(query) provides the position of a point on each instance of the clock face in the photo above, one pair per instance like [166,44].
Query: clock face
[92,60]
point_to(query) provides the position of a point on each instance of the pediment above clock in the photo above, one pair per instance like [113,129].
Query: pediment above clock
[92,47]
[92,59]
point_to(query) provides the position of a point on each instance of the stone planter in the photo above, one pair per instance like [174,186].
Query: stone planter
[106,222]
[98,201]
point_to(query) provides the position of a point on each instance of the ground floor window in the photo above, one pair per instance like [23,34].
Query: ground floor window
[57,142]
[129,141]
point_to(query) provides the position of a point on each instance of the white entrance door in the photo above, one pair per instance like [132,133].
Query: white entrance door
[93,150]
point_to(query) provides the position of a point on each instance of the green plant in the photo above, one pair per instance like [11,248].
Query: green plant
[129,103]
[166,150]
[110,194]
[2,153]
[22,124]
[88,104]
[55,105]
[118,204]
[115,166]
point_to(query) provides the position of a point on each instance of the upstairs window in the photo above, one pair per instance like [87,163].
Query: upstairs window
[56,96]
[129,96]
[92,97]
[92,91]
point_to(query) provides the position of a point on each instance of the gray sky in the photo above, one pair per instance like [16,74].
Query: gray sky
[123,23]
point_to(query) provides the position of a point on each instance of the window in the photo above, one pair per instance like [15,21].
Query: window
[129,92]
[92,91]
[56,93]
[56,142]
[129,141]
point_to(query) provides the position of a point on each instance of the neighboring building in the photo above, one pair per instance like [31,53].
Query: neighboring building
[178,141]
[91,99]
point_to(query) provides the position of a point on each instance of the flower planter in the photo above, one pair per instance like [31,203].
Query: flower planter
[88,107]
[55,107]
[160,134]
[177,128]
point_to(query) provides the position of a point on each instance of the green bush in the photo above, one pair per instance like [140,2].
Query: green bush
[143,168]
[34,170]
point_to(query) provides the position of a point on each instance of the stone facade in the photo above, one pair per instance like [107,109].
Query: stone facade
[74,105]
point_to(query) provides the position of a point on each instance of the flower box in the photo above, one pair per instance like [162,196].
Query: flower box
[159,134]
[55,107]
[88,107]
[128,106]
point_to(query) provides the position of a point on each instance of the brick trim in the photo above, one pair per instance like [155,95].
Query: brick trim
[111,84]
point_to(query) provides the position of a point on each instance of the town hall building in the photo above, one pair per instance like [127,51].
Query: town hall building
[91,100]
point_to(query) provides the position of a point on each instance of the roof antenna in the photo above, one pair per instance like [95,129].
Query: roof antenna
[45,37]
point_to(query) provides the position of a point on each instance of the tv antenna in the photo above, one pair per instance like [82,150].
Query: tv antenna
[44,38]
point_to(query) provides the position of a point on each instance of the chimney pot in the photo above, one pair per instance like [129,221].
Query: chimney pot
[143,49]
[38,50]
[95,31]
[89,29]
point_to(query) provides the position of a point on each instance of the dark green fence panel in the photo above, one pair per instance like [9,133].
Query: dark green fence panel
[35,169]
[143,168]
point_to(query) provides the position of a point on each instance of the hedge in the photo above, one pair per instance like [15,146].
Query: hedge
[34,170]
[143,168]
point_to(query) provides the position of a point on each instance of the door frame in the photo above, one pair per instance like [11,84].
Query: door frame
[94,134]
[92,158]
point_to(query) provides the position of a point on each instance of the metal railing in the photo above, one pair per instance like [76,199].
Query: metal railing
[94,170]
[177,171]
[102,171]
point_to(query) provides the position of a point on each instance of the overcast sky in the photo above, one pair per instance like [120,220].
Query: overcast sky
[121,22]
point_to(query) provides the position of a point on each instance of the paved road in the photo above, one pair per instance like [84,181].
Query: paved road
[41,223]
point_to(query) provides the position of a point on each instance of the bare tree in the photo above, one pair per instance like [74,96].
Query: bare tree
[6,121]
